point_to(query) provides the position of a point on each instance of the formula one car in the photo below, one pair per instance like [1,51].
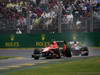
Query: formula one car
[51,53]
[79,50]
[48,52]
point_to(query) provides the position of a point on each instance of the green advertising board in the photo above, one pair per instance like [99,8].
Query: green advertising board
[44,39]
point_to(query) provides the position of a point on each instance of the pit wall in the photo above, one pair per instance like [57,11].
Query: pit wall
[39,40]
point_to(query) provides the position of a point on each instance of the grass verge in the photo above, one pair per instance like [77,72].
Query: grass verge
[6,57]
[89,66]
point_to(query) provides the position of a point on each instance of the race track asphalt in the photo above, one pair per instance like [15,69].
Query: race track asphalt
[16,52]
[24,58]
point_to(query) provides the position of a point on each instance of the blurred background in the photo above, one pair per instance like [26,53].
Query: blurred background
[31,16]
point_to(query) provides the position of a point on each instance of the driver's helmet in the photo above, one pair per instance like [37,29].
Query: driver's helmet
[55,45]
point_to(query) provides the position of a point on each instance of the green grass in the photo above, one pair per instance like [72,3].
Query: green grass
[6,57]
[90,66]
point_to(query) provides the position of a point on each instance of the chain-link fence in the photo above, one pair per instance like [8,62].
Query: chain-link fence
[51,24]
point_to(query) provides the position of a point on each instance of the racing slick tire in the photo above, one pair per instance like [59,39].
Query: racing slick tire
[84,51]
[36,57]
[36,54]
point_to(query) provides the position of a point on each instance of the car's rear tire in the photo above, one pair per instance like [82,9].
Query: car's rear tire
[86,54]
[84,51]
[36,58]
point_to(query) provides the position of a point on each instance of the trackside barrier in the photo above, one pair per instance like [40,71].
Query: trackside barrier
[41,40]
